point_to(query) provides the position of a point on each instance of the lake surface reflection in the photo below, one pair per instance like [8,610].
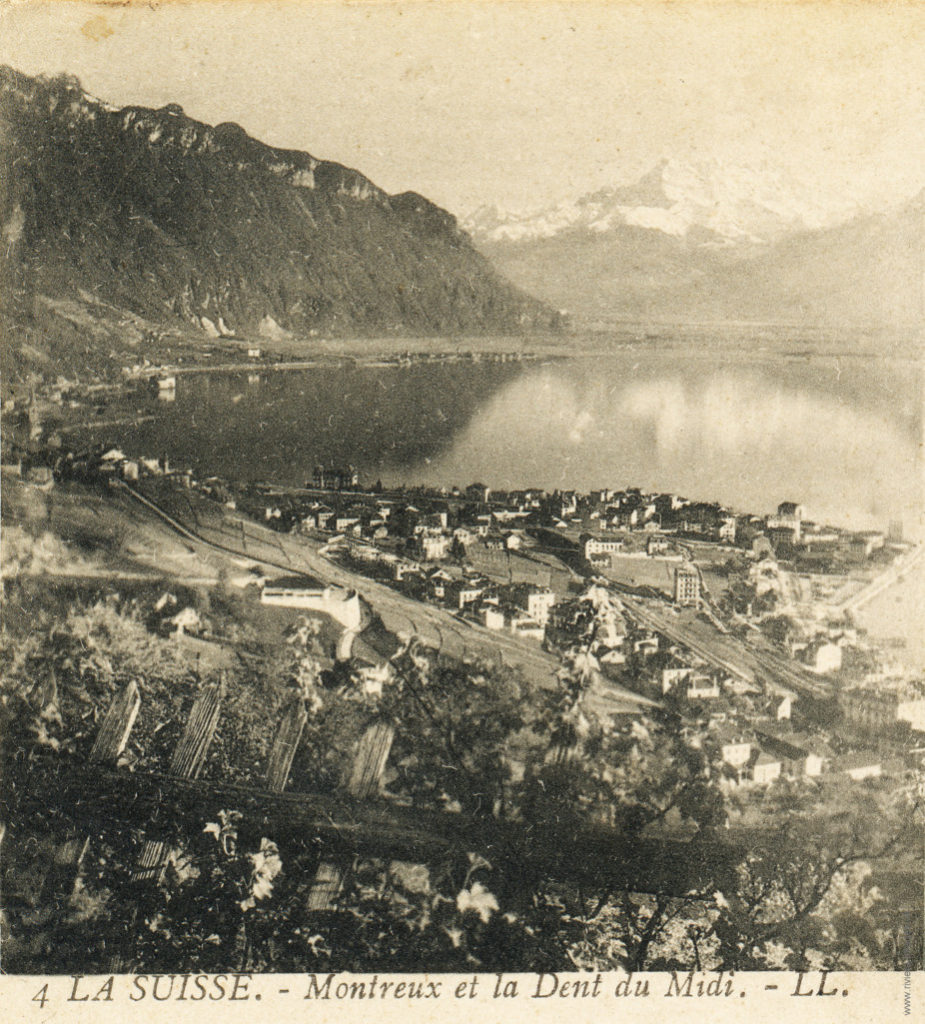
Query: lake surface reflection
[841,435]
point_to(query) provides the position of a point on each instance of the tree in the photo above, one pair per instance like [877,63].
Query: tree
[807,899]
[469,738]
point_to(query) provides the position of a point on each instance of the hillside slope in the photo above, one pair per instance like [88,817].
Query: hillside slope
[867,272]
[178,221]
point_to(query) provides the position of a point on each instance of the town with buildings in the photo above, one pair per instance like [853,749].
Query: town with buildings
[738,625]
[500,552]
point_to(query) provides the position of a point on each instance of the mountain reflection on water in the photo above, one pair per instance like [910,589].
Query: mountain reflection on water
[840,435]
[277,426]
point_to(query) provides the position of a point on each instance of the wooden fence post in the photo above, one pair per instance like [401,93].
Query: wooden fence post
[188,758]
[370,760]
[284,747]
[278,768]
[364,781]
[117,726]
[109,744]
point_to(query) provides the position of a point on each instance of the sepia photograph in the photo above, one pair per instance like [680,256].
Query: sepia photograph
[462,492]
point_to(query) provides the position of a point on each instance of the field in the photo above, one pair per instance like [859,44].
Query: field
[642,571]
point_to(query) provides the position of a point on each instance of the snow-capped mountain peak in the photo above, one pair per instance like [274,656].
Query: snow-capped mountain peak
[732,202]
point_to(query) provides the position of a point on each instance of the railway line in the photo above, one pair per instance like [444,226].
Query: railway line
[403,616]
[743,660]
[438,628]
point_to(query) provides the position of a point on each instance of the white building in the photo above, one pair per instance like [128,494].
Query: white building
[432,546]
[656,545]
[789,517]
[646,646]
[672,677]
[491,616]
[823,657]
[467,595]
[727,529]
[596,546]
[186,621]
[524,625]
[766,769]
[686,586]
[912,710]
[341,605]
[537,603]
[700,687]
[736,751]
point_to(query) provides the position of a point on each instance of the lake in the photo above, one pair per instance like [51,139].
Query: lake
[841,434]
[897,612]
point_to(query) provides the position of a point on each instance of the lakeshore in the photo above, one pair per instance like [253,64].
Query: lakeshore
[842,436]
[897,613]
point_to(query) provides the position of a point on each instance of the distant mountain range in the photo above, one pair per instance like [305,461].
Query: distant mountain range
[715,243]
[178,221]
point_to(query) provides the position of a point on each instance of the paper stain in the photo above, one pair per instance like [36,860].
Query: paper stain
[97,28]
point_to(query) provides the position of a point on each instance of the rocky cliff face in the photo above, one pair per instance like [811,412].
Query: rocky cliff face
[174,220]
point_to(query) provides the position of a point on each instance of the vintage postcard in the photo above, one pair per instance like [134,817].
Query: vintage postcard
[463,540]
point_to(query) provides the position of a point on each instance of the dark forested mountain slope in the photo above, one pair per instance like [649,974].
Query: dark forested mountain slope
[175,220]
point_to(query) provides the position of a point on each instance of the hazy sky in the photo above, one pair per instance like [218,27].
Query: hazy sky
[519,103]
